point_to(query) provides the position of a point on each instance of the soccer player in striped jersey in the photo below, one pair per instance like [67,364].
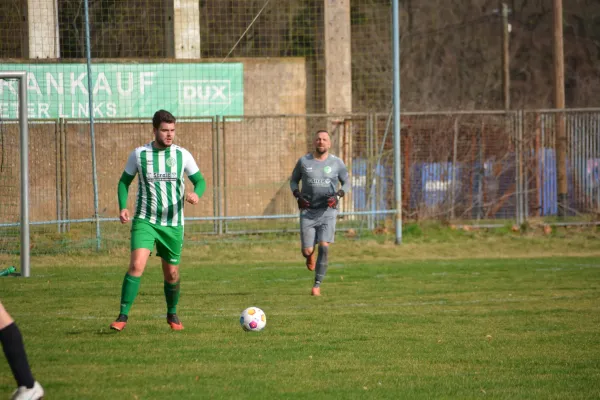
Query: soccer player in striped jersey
[320,173]
[158,219]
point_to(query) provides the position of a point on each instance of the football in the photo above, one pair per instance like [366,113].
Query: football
[253,319]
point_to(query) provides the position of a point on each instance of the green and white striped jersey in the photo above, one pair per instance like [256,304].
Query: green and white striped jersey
[161,186]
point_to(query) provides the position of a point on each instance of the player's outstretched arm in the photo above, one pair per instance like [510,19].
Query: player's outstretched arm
[303,203]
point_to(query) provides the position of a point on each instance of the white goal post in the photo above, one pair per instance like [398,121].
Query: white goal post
[21,77]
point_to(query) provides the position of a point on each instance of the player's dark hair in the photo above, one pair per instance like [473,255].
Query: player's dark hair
[162,116]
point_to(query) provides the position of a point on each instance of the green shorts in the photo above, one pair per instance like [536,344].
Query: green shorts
[168,239]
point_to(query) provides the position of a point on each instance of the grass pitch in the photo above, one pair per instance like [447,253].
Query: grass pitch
[385,328]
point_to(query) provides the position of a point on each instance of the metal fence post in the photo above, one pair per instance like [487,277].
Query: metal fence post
[220,179]
[58,158]
[224,175]
[215,172]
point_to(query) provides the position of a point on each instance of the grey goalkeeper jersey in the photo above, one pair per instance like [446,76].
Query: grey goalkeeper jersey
[320,179]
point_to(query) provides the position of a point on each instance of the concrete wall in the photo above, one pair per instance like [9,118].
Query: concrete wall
[274,86]
[43,36]
[338,57]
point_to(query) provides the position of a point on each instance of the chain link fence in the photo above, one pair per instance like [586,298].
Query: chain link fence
[250,82]
[486,168]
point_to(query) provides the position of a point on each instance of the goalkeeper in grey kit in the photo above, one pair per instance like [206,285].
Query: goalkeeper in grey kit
[320,173]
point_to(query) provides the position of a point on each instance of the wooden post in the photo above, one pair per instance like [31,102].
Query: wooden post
[407,147]
[505,57]
[473,170]
[559,91]
[348,204]
[454,164]
[536,167]
[481,172]
[483,196]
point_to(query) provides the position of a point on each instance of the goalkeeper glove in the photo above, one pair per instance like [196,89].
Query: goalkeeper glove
[332,202]
[302,202]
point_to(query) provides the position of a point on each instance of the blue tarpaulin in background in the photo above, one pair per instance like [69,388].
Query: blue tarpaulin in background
[431,183]
[377,199]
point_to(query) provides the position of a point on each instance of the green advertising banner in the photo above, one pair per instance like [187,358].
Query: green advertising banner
[126,90]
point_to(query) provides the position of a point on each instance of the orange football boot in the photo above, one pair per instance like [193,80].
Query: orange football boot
[120,323]
[174,322]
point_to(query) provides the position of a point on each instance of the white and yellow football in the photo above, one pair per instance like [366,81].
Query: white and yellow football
[253,319]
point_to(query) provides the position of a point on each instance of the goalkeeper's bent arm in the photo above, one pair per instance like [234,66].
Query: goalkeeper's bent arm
[296,177]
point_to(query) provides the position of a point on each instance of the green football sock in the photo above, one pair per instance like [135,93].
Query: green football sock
[131,285]
[172,296]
